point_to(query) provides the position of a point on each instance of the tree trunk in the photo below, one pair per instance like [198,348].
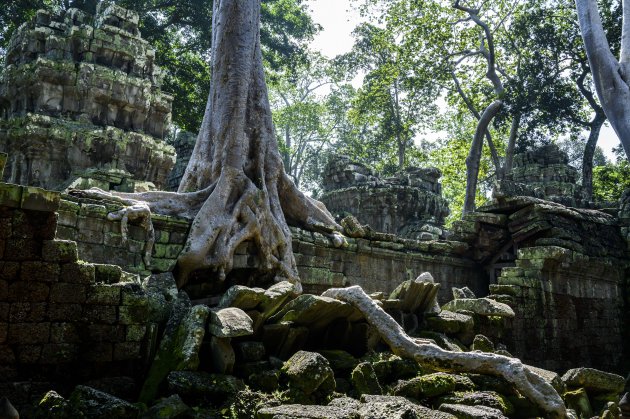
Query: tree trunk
[473,160]
[589,152]
[609,74]
[243,192]
[433,357]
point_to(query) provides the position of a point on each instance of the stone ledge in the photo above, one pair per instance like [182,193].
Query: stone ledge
[28,198]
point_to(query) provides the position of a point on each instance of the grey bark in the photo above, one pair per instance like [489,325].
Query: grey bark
[474,156]
[609,74]
[240,191]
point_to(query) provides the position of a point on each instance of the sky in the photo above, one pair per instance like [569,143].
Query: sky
[338,18]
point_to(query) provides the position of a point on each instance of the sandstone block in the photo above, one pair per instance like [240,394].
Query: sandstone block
[230,322]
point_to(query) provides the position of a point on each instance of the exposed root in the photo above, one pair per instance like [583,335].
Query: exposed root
[139,211]
[525,381]
[235,212]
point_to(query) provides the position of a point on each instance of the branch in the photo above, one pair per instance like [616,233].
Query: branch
[428,354]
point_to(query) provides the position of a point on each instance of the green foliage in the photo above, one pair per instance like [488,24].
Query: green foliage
[610,180]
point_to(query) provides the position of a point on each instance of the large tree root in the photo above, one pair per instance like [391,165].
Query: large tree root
[249,197]
[529,384]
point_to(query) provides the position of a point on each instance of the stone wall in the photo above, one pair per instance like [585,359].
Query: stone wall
[184,143]
[81,92]
[564,274]
[543,173]
[59,315]
[568,308]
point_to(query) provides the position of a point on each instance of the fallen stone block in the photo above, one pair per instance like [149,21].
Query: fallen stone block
[298,411]
[594,380]
[306,371]
[481,306]
[99,405]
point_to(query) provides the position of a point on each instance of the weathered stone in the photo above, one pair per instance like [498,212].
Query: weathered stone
[390,407]
[52,405]
[222,355]
[97,404]
[578,401]
[196,385]
[431,385]
[463,292]
[267,381]
[95,99]
[364,379]
[594,381]
[418,295]
[242,297]
[340,360]
[450,322]
[276,296]
[482,343]
[298,411]
[60,251]
[481,306]
[250,350]
[179,349]
[472,412]
[230,322]
[409,204]
[313,311]
[443,341]
[489,399]
[307,371]
[167,408]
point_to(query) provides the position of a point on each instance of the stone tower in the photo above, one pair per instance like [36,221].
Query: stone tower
[409,204]
[81,94]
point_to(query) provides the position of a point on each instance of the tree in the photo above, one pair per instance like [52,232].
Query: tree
[554,73]
[234,187]
[392,98]
[610,74]
[303,100]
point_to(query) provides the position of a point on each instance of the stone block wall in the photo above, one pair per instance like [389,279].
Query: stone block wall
[569,308]
[82,92]
[378,264]
[100,240]
[60,315]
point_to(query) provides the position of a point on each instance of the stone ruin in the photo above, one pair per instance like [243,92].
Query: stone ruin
[543,173]
[409,204]
[522,275]
[184,143]
[80,98]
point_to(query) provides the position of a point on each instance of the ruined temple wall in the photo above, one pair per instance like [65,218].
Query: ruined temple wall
[569,308]
[373,264]
[58,311]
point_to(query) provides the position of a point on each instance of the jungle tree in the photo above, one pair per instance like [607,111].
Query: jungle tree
[610,74]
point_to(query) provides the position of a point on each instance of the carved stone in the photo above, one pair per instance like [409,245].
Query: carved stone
[81,92]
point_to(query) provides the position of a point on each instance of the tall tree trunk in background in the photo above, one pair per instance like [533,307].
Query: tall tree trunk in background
[589,152]
[474,156]
[610,75]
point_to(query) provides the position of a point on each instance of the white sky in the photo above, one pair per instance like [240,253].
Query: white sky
[338,19]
